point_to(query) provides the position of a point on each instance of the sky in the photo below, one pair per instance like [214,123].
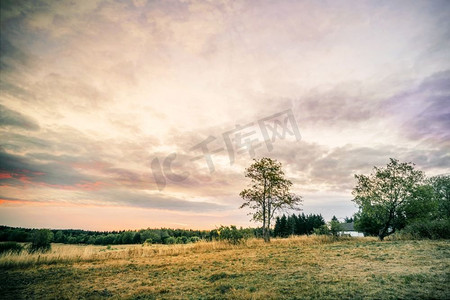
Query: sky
[135,114]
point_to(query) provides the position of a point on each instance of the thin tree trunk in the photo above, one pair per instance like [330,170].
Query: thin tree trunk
[268,219]
[264,210]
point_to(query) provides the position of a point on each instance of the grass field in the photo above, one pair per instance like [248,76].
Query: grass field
[294,268]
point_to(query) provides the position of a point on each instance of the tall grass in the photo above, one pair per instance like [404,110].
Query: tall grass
[65,254]
[61,253]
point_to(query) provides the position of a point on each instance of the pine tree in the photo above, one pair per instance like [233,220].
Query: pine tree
[276,230]
[301,224]
[290,225]
[283,226]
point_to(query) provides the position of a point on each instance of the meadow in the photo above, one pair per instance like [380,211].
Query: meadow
[304,267]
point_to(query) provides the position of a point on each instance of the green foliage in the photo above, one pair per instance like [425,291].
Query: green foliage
[164,235]
[348,220]
[14,234]
[170,240]
[430,229]
[195,239]
[335,227]
[297,225]
[383,197]
[10,247]
[322,230]
[70,236]
[231,234]
[268,192]
[182,240]
[60,237]
[127,237]
[41,241]
[370,219]
[398,198]
[419,207]
[137,238]
[441,189]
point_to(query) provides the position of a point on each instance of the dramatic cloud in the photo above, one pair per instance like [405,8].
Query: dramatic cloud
[12,118]
[114,114]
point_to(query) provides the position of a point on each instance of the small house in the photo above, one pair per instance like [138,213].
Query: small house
[348,229]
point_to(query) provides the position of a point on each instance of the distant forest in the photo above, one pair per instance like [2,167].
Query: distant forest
[295,225]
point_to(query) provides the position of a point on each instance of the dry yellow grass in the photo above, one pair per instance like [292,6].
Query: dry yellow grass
[78,253]
[61,253]
[298,267]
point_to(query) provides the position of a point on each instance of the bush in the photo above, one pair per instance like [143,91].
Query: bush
[170,240]
[41,240]
[335,227]
[10,247]
[435,229]
[183,240]
[231,234]
[322,230]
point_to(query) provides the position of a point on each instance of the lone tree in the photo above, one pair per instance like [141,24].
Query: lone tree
[268,192]
[384,196]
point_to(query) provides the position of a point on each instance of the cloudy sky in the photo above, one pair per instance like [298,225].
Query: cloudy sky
[135,114]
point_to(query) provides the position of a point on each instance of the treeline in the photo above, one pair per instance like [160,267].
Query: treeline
[297,225]
[284,226]
[70,236]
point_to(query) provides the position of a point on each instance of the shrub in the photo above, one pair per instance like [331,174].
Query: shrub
[183,240]
[170,240]
[335,227]
[231,234]
[435,229]
[11,247]
[41,240]
[322,230]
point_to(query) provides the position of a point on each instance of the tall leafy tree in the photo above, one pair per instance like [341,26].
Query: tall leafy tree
[384,195]
[441,188]
[268,192]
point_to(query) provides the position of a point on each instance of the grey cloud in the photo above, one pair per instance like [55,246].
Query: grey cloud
[429,158]
[13,90]
[12,56]
[13,118]
[338,167]
[52,173]
[19,143]
[337,107]
[424,111]
[157,201]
